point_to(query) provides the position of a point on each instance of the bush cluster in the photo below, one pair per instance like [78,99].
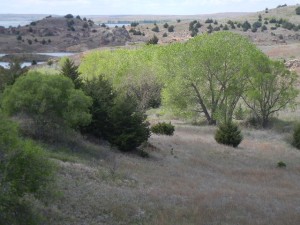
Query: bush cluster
[163,128]
[229,134]
[24,171]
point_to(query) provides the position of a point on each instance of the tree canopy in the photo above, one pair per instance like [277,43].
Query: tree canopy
[208,75]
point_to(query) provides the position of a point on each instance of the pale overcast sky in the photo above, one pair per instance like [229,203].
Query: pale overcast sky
[129,7]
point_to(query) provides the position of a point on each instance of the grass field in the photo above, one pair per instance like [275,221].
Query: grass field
[188,179]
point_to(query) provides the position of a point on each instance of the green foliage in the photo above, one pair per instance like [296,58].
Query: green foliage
[129,126]
[165,35]
[70,70]
[163,128]
[239,114]
[271,88]
[102,93]
[134,24]
[263,28]
[166,25]
[47,99]
[246,26]
[256,25]
[297,10]
[229,134]
[189,69]
[153,40]
[296,137]
[155,28]
[171,28]
[24,171]
[209,20]
[69,16]
[281,164]
[9,76]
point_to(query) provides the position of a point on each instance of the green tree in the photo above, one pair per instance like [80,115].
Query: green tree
[49,99]
[103,95]
[207,75]
[70,70]
[129,126]
[24,170]
[270,89]
[297,10]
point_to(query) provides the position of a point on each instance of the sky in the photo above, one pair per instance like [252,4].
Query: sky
[136,7]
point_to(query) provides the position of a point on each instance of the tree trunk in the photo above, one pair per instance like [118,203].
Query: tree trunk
[209,118]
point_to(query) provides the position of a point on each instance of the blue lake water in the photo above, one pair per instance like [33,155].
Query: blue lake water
[6,64]
[54,54]
[14,23]
[57,54]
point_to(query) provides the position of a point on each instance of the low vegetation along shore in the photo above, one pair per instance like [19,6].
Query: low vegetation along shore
[204,131]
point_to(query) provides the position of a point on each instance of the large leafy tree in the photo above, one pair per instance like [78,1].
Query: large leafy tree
[207,75]
[131,71]
[48,100]
[270,90]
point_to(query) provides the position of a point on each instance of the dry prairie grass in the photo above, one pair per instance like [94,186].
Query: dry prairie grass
[188,179]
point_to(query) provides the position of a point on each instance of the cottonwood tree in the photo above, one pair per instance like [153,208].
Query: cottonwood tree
[207,75]
[270,90]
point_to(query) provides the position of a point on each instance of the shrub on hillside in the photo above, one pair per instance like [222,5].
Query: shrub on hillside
[129,128]
[153,40]
[229,134]
[50,100]
[24,171]
[298,10]
[296,137]
[163,128]
[155,29]
[171,28]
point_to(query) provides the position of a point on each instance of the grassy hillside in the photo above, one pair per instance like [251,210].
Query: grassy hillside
[188,179]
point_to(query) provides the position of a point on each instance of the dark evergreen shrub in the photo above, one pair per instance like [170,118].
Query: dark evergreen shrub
[171,28]
[129,128]
[229,134]
[298,10]
[155,29]
[103,95]
[281,164]
[153,40]
[296,137]
[163,128]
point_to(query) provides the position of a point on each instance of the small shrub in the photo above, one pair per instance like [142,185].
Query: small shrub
[298,10]
[153,40]
[229,134]
[171,28]
[163,128]
[155,29]
[296,137]
[281,164]
[143,154]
